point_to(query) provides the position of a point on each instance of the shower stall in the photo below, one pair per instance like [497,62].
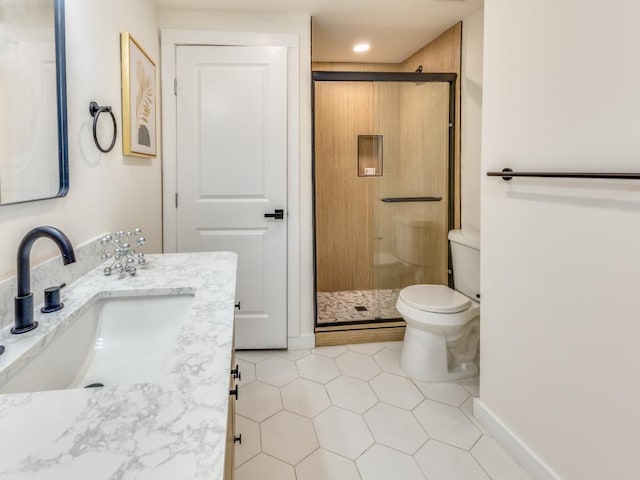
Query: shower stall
[383,190]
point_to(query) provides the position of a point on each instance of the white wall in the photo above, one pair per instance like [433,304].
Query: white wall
[107,191]
[561,258]
[471,121]
[300,328]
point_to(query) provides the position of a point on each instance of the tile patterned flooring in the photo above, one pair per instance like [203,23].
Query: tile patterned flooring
[350,413]
[341,306]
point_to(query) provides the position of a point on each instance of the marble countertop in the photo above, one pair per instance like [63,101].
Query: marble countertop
[170,429]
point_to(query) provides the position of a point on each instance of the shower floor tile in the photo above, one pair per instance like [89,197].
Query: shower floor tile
[357,305]
[337,427]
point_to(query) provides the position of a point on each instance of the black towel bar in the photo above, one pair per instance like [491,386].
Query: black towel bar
[508,174]
[411,199]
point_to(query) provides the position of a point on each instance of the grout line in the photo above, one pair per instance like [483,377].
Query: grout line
[474,443]
[246,461]
[454,406]
[323,410]
[303,458]
[424,475]
[421,445]
[420,423]
[355,460]
[478,461]
[451,444]
[357,469]
[444,403]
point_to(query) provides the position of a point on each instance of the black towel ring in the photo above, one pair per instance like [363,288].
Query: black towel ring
[95,110]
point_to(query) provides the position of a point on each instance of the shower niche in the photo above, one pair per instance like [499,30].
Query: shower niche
[370,155]
[383,193]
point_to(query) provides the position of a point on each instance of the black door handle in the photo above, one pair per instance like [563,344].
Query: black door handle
[278,214]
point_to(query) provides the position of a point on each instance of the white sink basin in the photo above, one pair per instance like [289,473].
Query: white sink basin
[118,340]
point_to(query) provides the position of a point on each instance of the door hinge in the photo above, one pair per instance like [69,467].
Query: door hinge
[176,199]
[175,86]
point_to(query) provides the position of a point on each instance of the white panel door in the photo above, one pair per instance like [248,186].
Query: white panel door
[232,170]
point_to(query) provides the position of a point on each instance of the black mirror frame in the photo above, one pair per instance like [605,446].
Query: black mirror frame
[61,90]
[61,101]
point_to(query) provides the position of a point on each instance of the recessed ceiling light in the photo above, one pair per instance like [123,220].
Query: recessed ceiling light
[361,47]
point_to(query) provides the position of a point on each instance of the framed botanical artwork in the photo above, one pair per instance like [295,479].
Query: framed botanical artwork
[138,99]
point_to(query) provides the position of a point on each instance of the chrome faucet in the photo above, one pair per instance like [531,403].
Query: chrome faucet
[24,300]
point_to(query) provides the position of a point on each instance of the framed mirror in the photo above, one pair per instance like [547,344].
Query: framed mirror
[33,101]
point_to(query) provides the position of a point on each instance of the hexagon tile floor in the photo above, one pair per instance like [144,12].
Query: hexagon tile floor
[350,413]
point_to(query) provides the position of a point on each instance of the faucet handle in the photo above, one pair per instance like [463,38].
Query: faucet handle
[52,301]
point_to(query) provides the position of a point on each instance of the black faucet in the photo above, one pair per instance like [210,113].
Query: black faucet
[24,300]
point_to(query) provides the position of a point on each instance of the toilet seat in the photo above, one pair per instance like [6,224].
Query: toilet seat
[434,298]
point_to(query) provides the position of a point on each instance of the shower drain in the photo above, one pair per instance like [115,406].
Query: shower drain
[95,385]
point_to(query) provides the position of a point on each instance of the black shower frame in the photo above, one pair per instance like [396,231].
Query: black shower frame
[322,76]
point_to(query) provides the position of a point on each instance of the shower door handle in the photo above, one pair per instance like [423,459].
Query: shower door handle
[411,199]
[278,214]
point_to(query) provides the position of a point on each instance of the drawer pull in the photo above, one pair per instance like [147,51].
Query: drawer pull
[236,373]
[234,392]
[238,439]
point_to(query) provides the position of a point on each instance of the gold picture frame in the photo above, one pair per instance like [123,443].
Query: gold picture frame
[139,99]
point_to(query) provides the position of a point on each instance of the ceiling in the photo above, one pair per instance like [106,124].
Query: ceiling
[394,28]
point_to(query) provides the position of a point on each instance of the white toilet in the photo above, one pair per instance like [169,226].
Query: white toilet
[443,325]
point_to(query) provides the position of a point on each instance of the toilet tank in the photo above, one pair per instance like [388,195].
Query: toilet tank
[465,253]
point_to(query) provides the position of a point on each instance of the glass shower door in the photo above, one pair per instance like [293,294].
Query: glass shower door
[410,220]
[381,187]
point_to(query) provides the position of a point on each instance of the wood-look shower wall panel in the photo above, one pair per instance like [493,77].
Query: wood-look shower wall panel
[444,55]
[344,201]
[386,122]
[344,247]
[343,110]
[354,67]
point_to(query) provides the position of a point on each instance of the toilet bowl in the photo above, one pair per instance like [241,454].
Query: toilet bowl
[443,324]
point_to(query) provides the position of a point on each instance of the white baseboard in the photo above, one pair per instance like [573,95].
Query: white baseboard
[512,443]
[302,342]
